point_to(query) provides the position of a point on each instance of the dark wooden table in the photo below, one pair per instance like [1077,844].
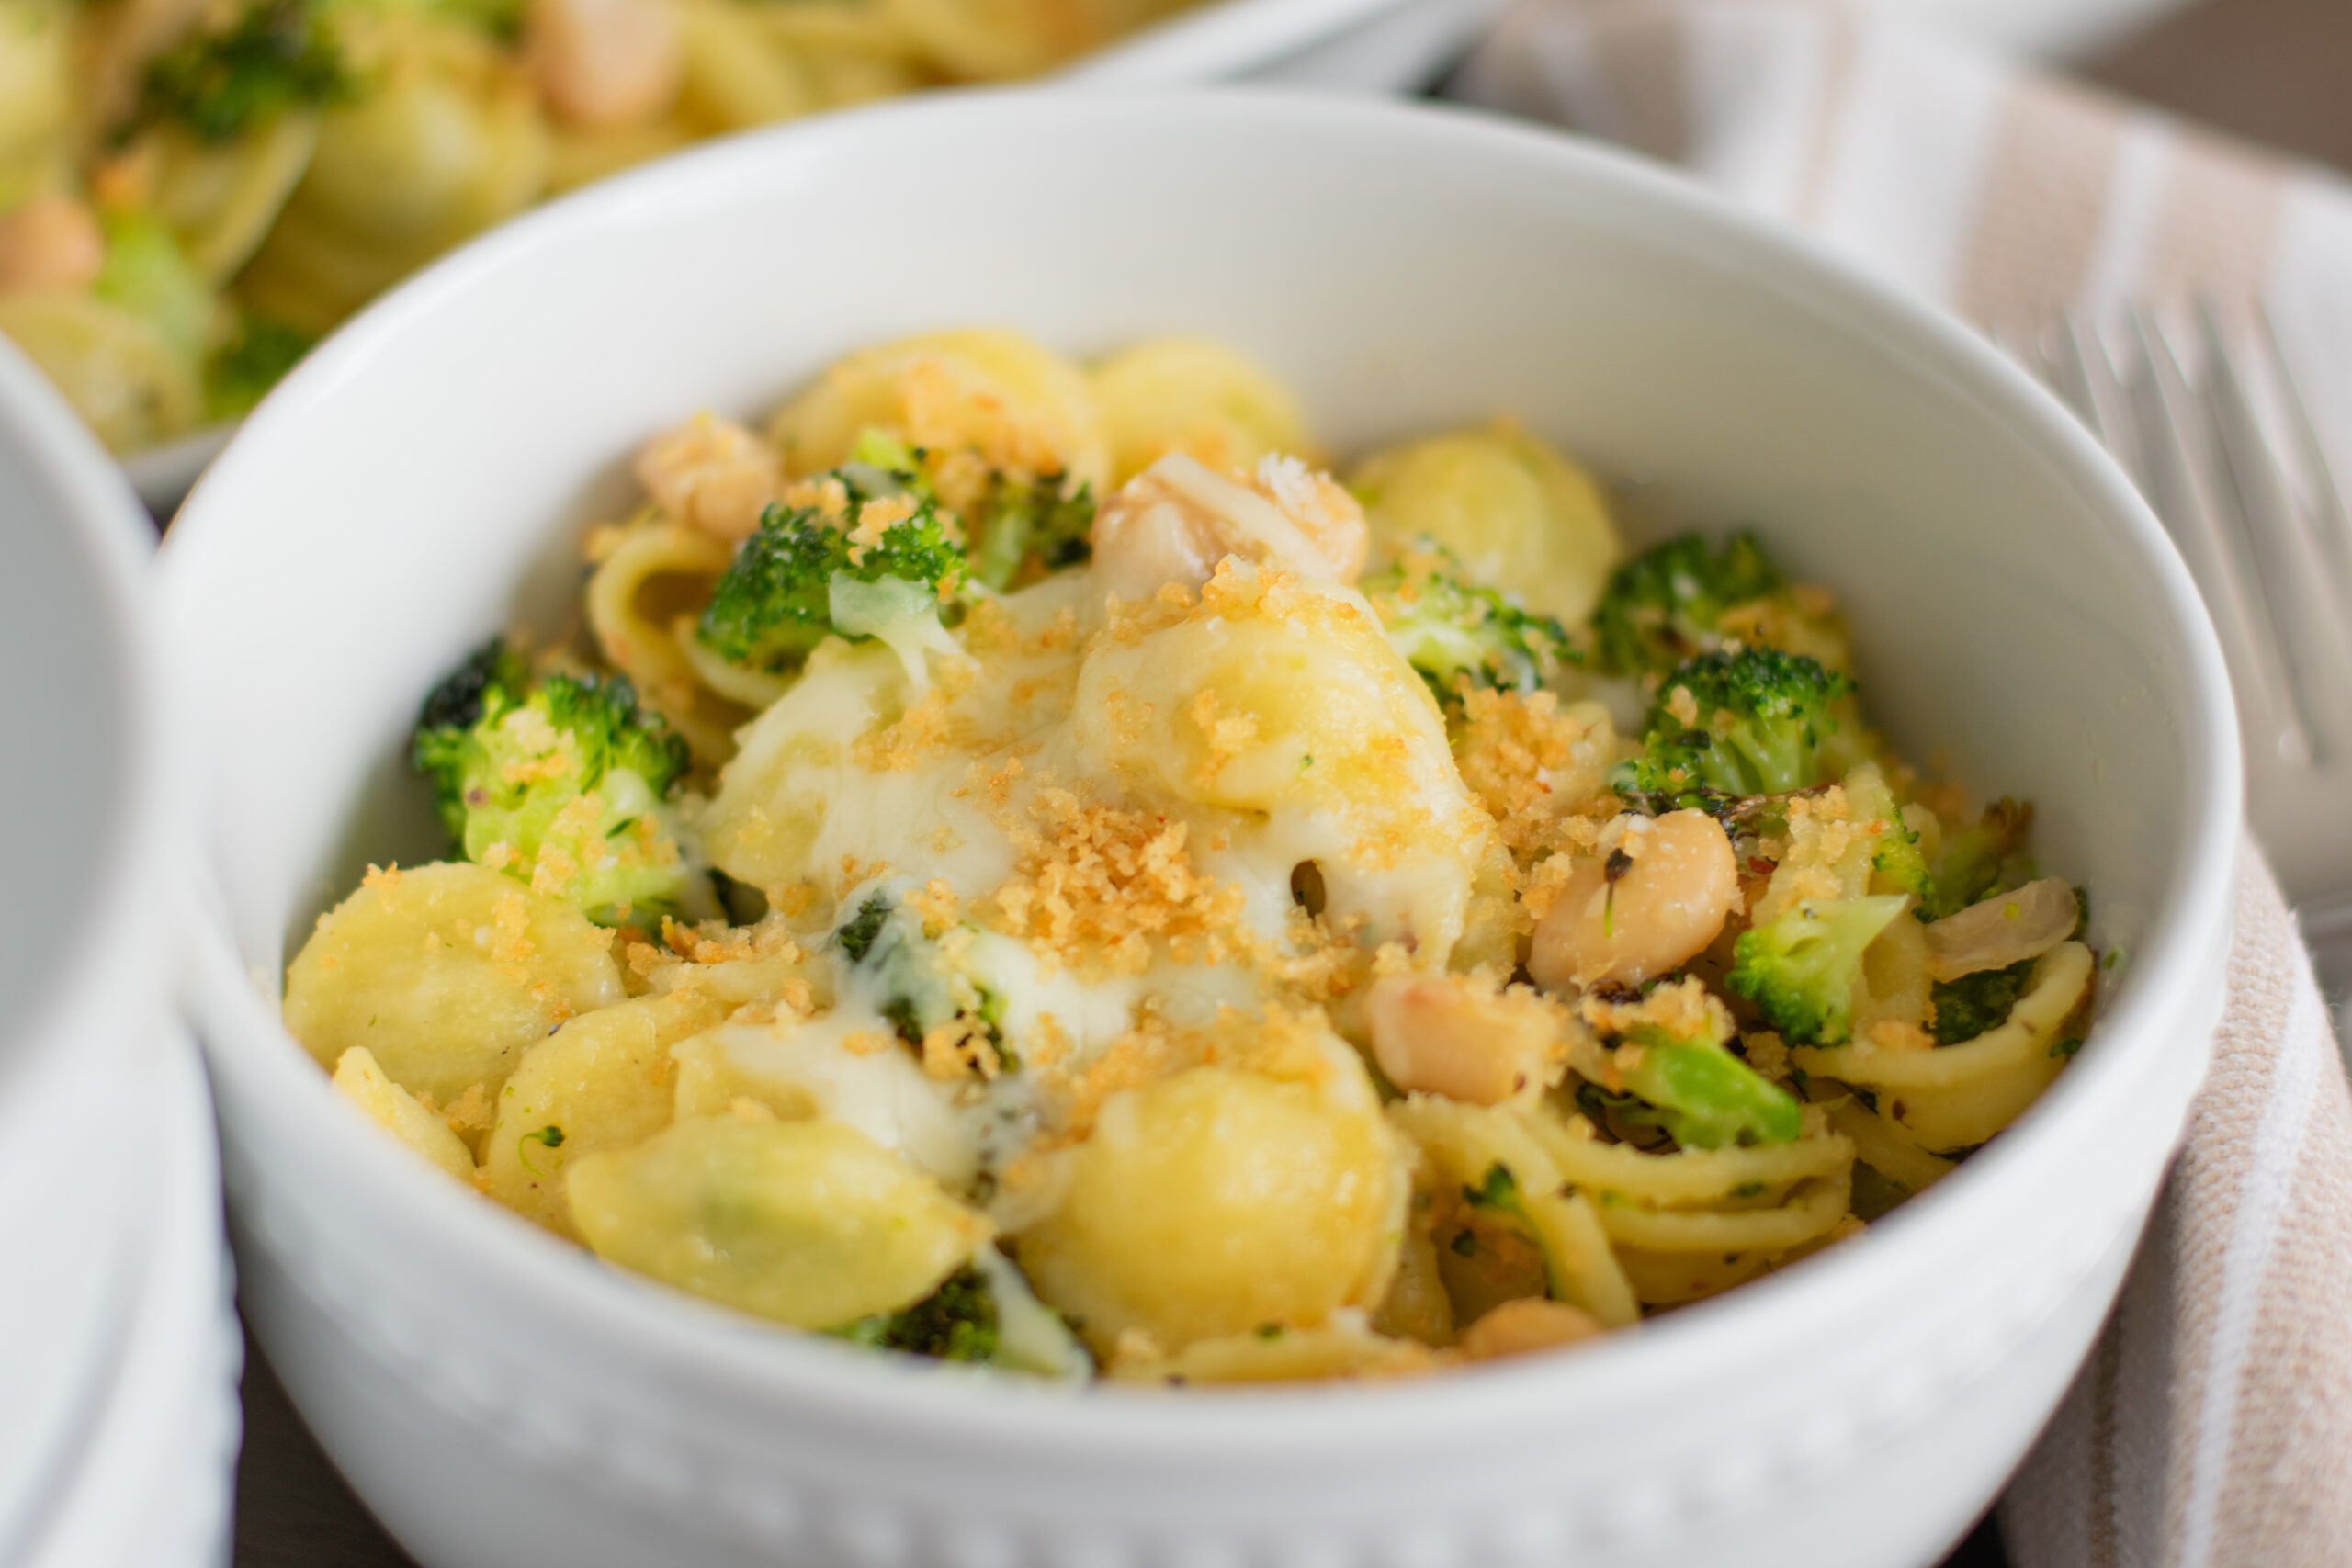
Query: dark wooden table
[2270,70]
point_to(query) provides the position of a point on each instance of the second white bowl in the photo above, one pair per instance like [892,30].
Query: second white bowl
[86,857]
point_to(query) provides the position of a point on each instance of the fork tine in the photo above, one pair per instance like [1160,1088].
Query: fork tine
[2174,442]
[2289,574]
[2065,370]
[2331,523]
[2087,379]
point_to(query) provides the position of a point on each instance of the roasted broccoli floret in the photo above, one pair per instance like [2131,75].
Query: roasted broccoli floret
[911,980]
[983,1313]
[148,275]
[243,370]
[558,781]
[1667,603]
[1981,860]
[1976,1003]
[862,931]
[502,20]
[1025,528]
[1703,1095]
[1748,723]
[879,564]
[274,56]
[1801,967]
[1450,631]
[957,1322]
[1900,865]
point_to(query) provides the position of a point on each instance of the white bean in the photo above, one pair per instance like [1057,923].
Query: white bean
[52,242]
[1176,519]
[1442,1034]
[1668,900]
[1530,1323]
[603,63]
[711,475]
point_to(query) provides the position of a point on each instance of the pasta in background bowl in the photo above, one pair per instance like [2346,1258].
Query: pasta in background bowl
[497,1396]
[191,193]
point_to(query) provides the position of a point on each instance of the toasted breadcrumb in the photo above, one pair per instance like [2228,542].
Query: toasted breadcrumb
[926,728]
[1540,771]
[1094,884]
[469,1112]
[1683,1008]
[827,497]
[935,903]
[1075,1095]
[1767,1053]
[1894,1034]
[961,1049]
[875,518]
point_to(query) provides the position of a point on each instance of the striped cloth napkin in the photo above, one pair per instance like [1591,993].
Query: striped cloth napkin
[2212,1425]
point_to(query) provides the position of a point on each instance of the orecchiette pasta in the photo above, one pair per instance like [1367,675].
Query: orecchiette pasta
[1214,1202]
[446,144]
[116,370]
[449,973]
[402,1114]
[807,1222]
[221,201]
[1509,506]
[601,1081]
[990,400]
[1114,932]
[1196,396]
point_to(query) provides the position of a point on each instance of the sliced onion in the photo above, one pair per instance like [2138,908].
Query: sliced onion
[2009,928]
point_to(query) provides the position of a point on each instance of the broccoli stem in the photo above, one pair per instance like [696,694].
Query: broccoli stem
[1708,1098]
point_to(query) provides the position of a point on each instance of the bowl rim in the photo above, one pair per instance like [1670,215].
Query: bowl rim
[121,928]
[718,1349]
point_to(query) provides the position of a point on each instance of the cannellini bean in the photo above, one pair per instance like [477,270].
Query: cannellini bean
[1530,1323]
[50,242]
[1660,911]
[1444,1034]
[603,64]
[711,475]
[1176,519]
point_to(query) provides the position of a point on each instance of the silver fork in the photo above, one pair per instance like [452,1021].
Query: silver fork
[2269,543]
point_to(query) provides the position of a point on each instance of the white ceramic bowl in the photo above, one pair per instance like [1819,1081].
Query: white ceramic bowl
[150,1486]
[500,1399]
[84,974]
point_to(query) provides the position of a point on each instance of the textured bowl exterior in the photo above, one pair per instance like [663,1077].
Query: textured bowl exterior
[85,961]
[150,1488]
[501,1399]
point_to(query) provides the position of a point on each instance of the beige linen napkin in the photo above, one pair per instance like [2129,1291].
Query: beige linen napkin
[2213,1423]
[2003,194]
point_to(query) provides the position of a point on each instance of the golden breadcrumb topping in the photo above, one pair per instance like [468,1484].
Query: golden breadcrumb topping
[1683,1008]
[1540,771]
[1095,885]
[827,497]
[875,518]
[928,727]
[960,1049]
